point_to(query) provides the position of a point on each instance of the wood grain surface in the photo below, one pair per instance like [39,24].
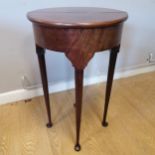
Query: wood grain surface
[86,17]
[130,132]
[79,45]
[79,32]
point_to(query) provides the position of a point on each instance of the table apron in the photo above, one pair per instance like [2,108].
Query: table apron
[78,44]
[66,39]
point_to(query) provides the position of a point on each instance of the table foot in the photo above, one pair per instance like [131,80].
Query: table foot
[77,147]
[104,124]
[49,125]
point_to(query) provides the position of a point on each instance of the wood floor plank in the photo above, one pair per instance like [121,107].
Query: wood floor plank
[131,120]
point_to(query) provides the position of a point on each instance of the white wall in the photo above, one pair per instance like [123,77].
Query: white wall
[17,52]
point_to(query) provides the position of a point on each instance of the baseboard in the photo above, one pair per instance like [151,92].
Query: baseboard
[23,94]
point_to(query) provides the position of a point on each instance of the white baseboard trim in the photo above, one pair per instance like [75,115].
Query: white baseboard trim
[22,94]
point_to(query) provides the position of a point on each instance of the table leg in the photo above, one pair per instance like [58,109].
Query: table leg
[112,61]
[42,64]
[78,107]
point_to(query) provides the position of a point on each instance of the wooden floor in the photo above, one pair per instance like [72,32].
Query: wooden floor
[131,129]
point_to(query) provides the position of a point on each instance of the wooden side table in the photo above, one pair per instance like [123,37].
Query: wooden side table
[79,32]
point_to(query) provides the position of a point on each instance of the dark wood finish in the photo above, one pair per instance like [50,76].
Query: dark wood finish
[112,61]
[79,33]
[78,103]
[42,64]
[79,45]
[77,17]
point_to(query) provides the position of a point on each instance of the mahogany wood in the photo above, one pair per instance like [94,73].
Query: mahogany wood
[79,93]
[112,62]
[41,58]
[79,33]
[77,17]
[79,45]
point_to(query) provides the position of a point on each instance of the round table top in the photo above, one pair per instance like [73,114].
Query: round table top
[83,17]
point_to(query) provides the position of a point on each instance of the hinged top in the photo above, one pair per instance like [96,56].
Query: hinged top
[83,17]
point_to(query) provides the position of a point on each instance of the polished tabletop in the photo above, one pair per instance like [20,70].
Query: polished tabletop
[77,17]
